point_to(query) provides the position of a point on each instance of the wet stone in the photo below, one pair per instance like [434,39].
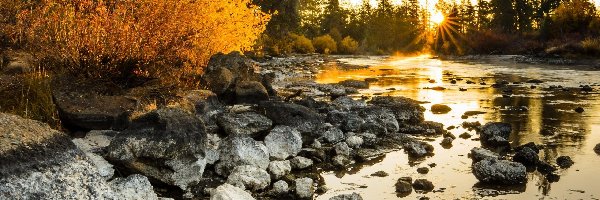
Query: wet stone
[564,162]
[440,109]
[492,170]
[423,170]
[526,156]
[380,174]
[423,184]
[403,187]
[545,168]
[353,196]
[597,149]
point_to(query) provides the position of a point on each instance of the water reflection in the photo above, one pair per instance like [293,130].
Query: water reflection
[541,115]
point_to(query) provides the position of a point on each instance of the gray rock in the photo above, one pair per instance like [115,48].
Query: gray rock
[304,188]
[247,123]
[206,105]
[377,120]
[406,110]
[300,162]
[496,171]
[230,192]
[333,135]
[564,162]
[478,154]
[279,169]
[219,80]
[340,161]
[283,142]
[354,141]
[423,128]
[355,84]
[495,134]
[280,187]
[293,115]
[133,187]
[249,177]
[353,196]
[105,169]
[342,149]
[403,186]
[89,111]
[160,145]
[237,151]
[347,103]
[250,92]
[526,156]
[418,149]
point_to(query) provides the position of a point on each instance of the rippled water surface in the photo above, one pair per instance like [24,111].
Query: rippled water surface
[543,115]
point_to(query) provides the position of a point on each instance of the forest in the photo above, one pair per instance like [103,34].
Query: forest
[568,27]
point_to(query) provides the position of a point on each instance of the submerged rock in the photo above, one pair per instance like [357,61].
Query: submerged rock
[230,192]
[545,168]
[440,109]
[304,188]
[496,171]
[237,151]
[166,144]
[249,177]
[283,142]
[495,134]
[247,123]
[353,196]
[564,162]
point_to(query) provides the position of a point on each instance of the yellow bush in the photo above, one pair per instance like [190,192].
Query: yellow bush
[302,44]
[348,45]
[325,44]
[140,36]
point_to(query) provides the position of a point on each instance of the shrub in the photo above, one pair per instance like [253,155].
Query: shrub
[302,44]
[325,44]
[591,46]
[348,45]
[143,37]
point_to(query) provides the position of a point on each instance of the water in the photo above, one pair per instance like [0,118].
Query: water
[533,112]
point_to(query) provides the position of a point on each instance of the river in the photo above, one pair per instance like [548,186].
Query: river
[539,112]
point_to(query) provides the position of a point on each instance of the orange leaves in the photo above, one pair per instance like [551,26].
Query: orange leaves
[109,33]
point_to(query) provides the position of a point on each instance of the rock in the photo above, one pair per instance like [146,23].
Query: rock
[447,142]
[347,103]
[545,168]
[496,171]
[353,196]
[206,105]
[219,80]
[423,184]
[579,110]
[92,145]
[278,169]
[354,141]
[342,149]
[283,142]
[92,111]
[355,84]
[247,123]
[471,125]
[440,109]
[316,144]
[495,134]
[230,192]
[37,162]
[377,120]
[479,154]
[304,188]
[166,144]
[300,162]
[403,187]
[564,162]
[380,174]
[333,135]
[529,145]
[526,156]
[250,92]
[535,81]
[293,115]
[423,170]
[423,128]
[236,151]
[405,110]
[340,161]
[418,149]
[249,177]
[280,187]
[465,135]
[597,148]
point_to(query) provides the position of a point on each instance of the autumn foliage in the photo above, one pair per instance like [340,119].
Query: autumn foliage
[142,36]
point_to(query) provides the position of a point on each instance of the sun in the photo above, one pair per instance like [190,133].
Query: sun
[438,18]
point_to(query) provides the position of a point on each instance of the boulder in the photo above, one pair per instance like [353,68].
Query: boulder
[478,154]
[167,144]
[440,109]
[247,123]
[300,162]
[249,177]
[302,118]
[206,105]
[280,187]
[545,168]
[403,187]
[423,184]
[93,145]
[347,103]
[418,149]
[526,156]
[304,188]
[230,192]
[597,148]
[330,134]
[219,80]
[241,67]
[80,111]
[37,162]
[342,149]
[340,161]
[495,134]
[406,110]
[377,120]
[353,196]
[564,162]
[491,170]
[239,150]
[283,142]
[250,92]
[354,141]
[278,169]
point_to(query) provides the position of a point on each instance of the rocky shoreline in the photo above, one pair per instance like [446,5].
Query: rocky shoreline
[260,130]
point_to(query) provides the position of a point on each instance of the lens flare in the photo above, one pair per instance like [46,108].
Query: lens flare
[438,18]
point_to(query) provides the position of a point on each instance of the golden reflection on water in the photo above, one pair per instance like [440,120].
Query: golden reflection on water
[575,134]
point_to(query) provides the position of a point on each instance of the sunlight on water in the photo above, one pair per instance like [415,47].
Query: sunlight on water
[532,112]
